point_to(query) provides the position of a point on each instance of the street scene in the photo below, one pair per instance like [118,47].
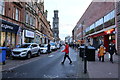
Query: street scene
[61,40]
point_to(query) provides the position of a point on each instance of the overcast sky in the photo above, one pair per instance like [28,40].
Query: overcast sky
[70,11]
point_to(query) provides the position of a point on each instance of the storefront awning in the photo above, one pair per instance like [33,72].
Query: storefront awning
[103,33]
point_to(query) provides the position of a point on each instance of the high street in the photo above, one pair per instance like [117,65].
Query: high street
[49,66]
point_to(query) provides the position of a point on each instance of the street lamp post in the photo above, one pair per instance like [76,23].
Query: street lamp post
[85,59]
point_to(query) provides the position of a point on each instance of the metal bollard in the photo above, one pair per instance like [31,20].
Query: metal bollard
[85,60]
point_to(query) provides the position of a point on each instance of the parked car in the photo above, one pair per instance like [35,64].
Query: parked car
[53,46]
[43,48]
[26,50]
[58,46]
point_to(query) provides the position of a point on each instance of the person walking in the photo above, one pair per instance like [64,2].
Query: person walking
[66,50]
[48,48]
[111,51]
[101,52]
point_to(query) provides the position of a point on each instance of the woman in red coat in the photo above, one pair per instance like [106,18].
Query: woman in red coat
[66,50]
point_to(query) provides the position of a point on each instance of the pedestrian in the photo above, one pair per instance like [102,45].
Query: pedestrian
[8,51]
[111,51]
[66,50]
[48,48]
[101,52]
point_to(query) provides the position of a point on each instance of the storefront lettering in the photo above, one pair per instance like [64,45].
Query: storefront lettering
[29,34]
[6,26]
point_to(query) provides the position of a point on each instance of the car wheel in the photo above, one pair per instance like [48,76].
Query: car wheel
[28,55]
[38,53]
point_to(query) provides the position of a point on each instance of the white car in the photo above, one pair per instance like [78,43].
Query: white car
[26,50]
[43,48]
[53,46]
[58,46]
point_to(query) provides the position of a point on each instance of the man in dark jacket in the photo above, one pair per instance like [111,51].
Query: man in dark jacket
[111,50]
[48,48]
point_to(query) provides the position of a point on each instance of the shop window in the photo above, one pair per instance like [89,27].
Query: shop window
[2,7]
[13,40]
[2,39]
[8,39]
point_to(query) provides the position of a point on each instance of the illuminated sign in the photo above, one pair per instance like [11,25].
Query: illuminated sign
[29,34]
[109,31]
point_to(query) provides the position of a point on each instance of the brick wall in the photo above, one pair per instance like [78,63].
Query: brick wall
[118,24]
[95,11]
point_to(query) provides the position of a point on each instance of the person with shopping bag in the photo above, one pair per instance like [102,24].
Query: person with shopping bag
[66,50]
[101,52]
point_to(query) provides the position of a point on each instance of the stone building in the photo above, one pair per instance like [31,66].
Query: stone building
[56,26]
[118,26]
[23,22]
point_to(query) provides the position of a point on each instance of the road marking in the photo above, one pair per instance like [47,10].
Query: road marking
[51,56]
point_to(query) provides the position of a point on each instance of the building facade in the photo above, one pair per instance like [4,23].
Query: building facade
[118,26]
[97,25]
[56,26]
[11,21]
[23,22]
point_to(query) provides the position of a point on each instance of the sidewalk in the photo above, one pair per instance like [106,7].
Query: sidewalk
[97,69]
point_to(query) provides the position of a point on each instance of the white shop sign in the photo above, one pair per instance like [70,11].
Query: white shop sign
[29,34]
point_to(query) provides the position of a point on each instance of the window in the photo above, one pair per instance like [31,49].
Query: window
[17,14]
[34,45]
[34,21]
[112,14]
[99,22]
[87,29]
[2,41]
[92,26]
[55,25]
[31,20]
[55,35]
[26,17]
[2,7]
[109,16]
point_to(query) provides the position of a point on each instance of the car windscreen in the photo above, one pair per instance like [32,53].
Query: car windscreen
[24,46]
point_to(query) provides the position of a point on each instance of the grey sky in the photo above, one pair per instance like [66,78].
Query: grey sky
[70,11]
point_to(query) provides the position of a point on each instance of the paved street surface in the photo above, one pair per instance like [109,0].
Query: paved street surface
[47,66]
[105,69]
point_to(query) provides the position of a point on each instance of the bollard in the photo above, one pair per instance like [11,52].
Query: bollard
[85,60]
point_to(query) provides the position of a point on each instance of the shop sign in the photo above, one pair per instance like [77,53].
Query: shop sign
[109,31]
[8,27]
[29,34]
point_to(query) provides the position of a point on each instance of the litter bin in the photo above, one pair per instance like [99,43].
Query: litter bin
[81,51]
[2,55]
[90,53]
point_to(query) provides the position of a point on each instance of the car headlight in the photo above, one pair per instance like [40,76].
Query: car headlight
[24,51]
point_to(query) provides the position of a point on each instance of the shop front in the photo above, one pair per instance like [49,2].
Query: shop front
[29,36]
[104,38]
[8,33]
[38,37]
